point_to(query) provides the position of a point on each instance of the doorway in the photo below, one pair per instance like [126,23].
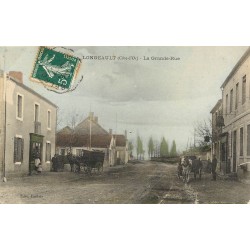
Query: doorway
[36,150]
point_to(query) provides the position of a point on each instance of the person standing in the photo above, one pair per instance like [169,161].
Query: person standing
[55,163]
[39,169]
[37,164]
[214,165]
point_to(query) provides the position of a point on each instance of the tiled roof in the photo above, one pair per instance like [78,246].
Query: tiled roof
[120,140]
[75,140]
[65,130]
[83,128]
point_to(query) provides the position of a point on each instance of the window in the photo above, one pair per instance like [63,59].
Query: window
[237,96]
[36,112]
[62,151]
[248,140]
[244,89]
[49,119]
[78,152]
[18,149]
[19,106]
[223,152]
[226,104]
[48,151]
[231,101]
[241,141]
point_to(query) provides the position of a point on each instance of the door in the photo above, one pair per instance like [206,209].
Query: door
[36,150]
[234,150]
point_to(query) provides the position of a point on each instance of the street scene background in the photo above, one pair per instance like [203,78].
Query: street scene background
[179,23]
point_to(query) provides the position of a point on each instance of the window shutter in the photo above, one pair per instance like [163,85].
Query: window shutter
[22,147]
[15,149]
[248,140]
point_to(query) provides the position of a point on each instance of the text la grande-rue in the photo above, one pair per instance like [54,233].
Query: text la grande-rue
[166,58]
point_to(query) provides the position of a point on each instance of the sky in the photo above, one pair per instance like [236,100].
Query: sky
[145,97]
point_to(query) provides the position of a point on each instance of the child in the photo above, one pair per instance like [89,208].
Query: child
[39,169]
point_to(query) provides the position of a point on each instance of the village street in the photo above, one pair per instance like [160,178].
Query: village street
[137,183]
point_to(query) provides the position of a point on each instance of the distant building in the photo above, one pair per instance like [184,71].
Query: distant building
[91,122]
[88,134]
[27,126]
[235,132]
[217,138]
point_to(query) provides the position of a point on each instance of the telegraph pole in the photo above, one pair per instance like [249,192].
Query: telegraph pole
[5,108]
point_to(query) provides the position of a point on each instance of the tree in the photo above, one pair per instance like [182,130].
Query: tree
[164,148]
[156,148]
[73,118]
[201,130]
[130,148]
[150,147]
[173,152]
[139,148]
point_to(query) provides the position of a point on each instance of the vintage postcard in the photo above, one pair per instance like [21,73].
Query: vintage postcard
[125,125]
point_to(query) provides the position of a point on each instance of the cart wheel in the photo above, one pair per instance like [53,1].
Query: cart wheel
[99,166]
[89,169]
[83,167]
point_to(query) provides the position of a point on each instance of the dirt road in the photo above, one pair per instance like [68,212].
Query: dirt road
[140,183]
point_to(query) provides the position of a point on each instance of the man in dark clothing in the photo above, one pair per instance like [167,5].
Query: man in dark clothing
[214,164]
[55,163]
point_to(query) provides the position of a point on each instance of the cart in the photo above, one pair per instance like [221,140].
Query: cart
[91,161]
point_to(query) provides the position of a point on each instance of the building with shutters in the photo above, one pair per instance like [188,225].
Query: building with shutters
[89,135]
[217,124]
[27,126]
[233,139]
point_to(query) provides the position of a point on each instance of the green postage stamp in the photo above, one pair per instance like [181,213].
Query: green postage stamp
[55,68]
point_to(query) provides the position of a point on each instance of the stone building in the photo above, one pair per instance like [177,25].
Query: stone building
[27,126]
[235,132]
[218,140]
[90,135]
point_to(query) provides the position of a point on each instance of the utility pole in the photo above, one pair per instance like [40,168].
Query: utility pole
[5,108]
[90,128]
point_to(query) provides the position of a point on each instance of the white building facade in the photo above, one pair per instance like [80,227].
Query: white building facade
[235,137]
[27,125]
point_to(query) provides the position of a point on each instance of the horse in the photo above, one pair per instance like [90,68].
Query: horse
[185,164]
[73,160]
[196,167]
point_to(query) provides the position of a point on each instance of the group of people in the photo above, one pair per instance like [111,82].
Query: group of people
[211,166]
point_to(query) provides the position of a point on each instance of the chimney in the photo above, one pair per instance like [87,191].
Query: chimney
[110,131]
[96,119]
[126,134]
[91,116]
[17,75]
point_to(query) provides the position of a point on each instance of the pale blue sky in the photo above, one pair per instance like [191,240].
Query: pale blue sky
[158,98]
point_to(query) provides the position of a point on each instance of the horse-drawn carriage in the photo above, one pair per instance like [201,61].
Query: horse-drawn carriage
[88,161]
[188,165]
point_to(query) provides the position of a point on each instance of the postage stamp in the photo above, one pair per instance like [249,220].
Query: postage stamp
[55,68]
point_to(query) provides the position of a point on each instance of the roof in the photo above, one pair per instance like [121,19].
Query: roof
[76,140]
[22,85]
[83,128]
[66,130]
[235,68]
[216,107]
[120,140]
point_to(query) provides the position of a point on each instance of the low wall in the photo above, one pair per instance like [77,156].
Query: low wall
[172,160]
